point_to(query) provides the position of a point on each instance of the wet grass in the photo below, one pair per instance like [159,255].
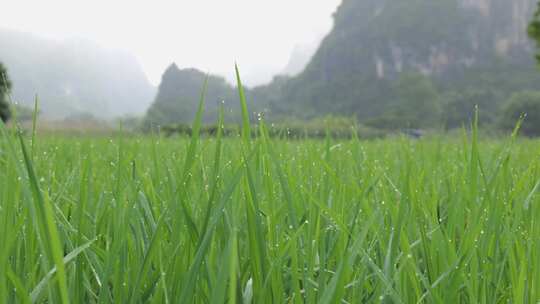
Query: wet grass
[257,220]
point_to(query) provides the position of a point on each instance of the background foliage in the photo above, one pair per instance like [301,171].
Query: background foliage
[5,87]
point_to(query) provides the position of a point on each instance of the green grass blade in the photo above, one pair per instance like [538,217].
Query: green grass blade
[189,287]
[40,287]
[34,125]
[46,216]
[19,287]
[246,129]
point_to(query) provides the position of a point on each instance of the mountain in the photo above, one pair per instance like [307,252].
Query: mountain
[394,63]
[179,94]
[459,45]
[300,57]
[74,77]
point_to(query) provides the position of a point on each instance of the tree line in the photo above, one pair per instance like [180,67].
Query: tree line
[5,87]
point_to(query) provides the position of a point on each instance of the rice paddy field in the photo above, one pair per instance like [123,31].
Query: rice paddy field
[144,219]
[153,220]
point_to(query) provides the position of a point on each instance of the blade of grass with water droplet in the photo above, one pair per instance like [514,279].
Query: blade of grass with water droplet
[46,217]
[40,287]
[246,130]
[190,281]
[18,285]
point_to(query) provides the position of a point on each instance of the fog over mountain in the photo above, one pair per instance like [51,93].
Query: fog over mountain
[74,77]
[210,35]
[458,53]
[457,44]
[384,58]
[301,56]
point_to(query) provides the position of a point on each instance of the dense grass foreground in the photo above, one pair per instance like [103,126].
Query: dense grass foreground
[255,220]
[129,220]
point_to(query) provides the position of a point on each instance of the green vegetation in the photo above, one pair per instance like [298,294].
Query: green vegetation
[260,220]
[176,100]
[524,104]
[416,104]
[472,52]
[5,87]
[389,64]
[534,29]
[335,127]
[243,215]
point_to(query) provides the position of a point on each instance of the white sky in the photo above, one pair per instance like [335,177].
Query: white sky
[207,34]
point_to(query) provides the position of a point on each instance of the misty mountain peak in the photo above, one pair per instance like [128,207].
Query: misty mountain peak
[74,77]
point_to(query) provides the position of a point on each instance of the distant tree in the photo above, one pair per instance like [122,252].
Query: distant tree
[418,101]
[523,103]
[415,104]
[5,87]
[534,29]
[459,106]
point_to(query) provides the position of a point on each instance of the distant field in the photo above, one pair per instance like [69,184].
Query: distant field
[258,220]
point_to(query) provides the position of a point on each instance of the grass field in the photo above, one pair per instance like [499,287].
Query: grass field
[257,220]
[130,220]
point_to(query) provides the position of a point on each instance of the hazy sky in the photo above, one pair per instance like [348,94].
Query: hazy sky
[207,34]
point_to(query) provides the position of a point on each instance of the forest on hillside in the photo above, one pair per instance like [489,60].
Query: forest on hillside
[390,64]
